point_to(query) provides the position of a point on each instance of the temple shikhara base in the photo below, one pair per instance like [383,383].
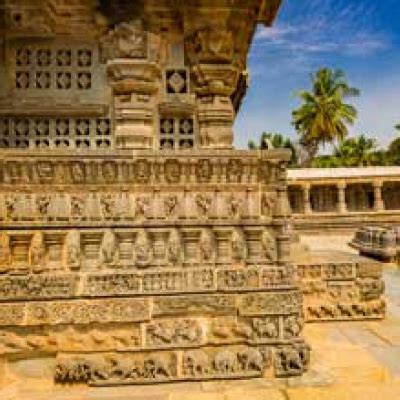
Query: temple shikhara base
[137,246]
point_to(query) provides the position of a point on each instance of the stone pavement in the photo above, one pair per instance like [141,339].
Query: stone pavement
[350,361]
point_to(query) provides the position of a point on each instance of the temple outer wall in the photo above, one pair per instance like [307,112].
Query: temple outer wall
[343,199]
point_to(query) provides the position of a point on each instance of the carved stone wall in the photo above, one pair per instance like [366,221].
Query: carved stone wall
[130,270]
[136,246]
[342,291]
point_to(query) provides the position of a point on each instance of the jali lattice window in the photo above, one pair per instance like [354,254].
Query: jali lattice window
[55,133]
[177,133]
[43,68]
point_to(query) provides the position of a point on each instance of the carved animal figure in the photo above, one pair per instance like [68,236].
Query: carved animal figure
[289,362]
[196,363]
[265,328]
[156,368]
[252,359]
[225,362]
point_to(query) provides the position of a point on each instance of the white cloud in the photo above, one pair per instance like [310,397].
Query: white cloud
[324,26]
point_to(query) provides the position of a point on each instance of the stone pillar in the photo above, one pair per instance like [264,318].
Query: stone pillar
[215,78]
[379,204]
[341,204]
[306,199]
[134,80]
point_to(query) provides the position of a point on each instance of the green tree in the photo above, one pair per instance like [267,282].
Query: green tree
[323,117]
[357,152]
[393,152]
[276,141]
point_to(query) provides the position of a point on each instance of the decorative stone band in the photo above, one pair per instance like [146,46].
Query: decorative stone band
[206,363]
[146,168]
[155,282]
[375,309]
[171,333]
[120,310]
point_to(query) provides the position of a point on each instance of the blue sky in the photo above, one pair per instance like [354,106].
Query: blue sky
[361,37]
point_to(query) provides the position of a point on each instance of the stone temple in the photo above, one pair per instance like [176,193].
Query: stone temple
[137,246]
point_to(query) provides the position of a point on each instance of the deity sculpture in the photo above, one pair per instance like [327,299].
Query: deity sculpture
[73,250]
[238,245]
[143,249]
[37,253]
[109,249]
[207,245]
[268,244]
[203,203]
[174,248]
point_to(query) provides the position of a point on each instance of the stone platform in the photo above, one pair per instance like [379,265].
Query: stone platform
[350,360]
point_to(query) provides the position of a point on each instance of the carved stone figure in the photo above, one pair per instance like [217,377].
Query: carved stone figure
[174,248]
[5,252]
[142,207]
[109,253]
[207,245]
[196,363]
[37,253]
[107,204]
[234,205]
[238,245]
[253,359]
[268,244]
[292,360]
[126,40]
[170,205]
[42,205]
[292,326]
[225,362]
[143,249]
[73,251]
[268,204]
[203,203]
[265,328]
[77,207]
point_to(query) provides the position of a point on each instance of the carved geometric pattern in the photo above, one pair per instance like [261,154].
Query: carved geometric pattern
[176,133]
[177,81]
[52,68]
[88,133]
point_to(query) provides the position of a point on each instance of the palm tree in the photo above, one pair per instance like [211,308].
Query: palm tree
[323,117]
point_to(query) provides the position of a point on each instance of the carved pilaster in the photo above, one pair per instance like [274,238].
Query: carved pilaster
[215,77]
[134,80]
